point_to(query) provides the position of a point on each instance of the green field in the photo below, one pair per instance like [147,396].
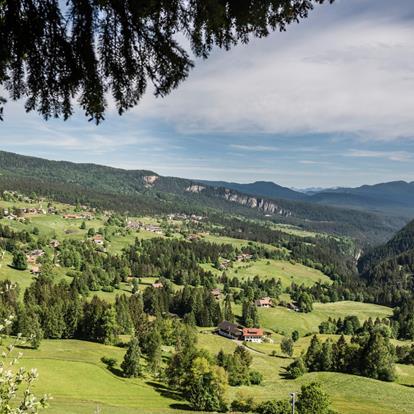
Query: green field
[286,271]
[71,371]
[280,319]
[79,382]
[350,394]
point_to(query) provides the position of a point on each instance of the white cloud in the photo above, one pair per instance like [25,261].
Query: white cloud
[400,156]
[352,74]
[254,148]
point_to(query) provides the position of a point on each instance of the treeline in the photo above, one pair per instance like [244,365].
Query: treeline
[370,355]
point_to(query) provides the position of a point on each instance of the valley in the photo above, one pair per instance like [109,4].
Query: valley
[73,370]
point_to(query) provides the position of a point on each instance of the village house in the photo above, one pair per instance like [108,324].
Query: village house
[216,293]
[35,270]
[230,330]
[253,335]
[264,303]
[225,264]
[54,243]
[193,237]
[72,216]
[153,229]
[134,225]
[34,255]
[98,239]
[157,285]
[244,257]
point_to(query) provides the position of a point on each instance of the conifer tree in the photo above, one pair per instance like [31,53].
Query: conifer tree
[312,356]
[131,365]
[228,312]
[326,358]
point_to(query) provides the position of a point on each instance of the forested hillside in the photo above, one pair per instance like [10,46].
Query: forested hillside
[142,191]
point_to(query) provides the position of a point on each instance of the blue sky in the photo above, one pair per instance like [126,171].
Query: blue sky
[329,103]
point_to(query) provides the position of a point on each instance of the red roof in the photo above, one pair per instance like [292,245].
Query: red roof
[252,332]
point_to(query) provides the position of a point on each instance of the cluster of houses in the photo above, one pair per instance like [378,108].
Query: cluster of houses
[137,225]
[182,216]
[244,257]
[32,258]
[20,213]
[78,216]
[237,332]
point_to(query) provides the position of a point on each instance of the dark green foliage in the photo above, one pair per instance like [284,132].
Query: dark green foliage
[237,366]
[86,62]
[255,377]
[405,354]
[151,346]
[371,355]
[287,346]
[313,400]
[250,316]
[312,356]
[403,318]
[297,368]
[131,365]
[295,336]
[377,359]
[19,261]
[228,313]
[274,407]
[109,362]
[205,386]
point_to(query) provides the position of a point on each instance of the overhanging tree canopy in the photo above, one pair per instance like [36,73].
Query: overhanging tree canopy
[55,52]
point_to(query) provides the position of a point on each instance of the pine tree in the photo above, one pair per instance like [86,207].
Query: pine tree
[377,360]
[312,356]
[340,355]
[19,261]
[228,312]
[109,327]
[153,346]
[131,365]
[326,356]
[287,346]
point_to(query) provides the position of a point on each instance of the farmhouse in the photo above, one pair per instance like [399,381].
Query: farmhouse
[225,264]
[230,330]
[216,293]
[153,229]
[98,239]
[244,257]
[264,303]
[157,285]
[252,334]
[54,243]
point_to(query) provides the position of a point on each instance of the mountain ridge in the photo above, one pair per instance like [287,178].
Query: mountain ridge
[147,188]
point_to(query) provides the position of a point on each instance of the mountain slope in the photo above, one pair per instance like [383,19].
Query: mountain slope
[260,188]
[395,197]
[141,191]
[391,264]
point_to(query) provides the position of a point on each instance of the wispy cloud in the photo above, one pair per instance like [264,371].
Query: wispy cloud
[400,156]
[254,148]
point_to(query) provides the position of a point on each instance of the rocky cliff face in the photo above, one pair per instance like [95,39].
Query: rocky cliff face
[267,206]
[195,188]
[149,180]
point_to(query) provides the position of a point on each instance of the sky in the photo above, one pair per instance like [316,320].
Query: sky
[328,103]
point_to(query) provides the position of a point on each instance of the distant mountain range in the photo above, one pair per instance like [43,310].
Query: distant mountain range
[260,188]
[394,198]
[143,191]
